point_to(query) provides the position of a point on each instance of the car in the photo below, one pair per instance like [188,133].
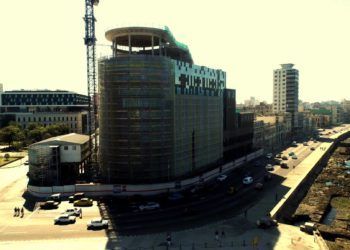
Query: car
[221,177]
[26,162]
[259,186]
[49,205]
[294,144]
[291,153]
[149,206]
[97,223]
[83,202]
[248,180]
[266,222]
[315,141]
[269,167]
[305,144]
[294,157]
[269,155]
[285,157]
[73,211]
[312,148]
[284,165]
[76,196]
[54,197]
[279,156]
[277,160]
[64,218]
[231,190]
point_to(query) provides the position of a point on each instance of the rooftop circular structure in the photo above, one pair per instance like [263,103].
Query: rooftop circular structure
[147,40]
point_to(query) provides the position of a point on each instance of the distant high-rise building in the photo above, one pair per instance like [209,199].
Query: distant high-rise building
[286,90]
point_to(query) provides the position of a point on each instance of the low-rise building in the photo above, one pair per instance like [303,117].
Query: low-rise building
[58,160]
[45,107]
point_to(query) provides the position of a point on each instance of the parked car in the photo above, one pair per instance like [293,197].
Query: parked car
[285,157]
[248,180]
[55,197]
[294,157]
[312,148]
[149,206]
[266,222]
[291,153]
[49,205]
[269,155]
[73,211]
[284,165]
[305,144]
[269,167]
[64,218]
[231,190]
[97,223]
[76,196]
[26,162]
[221,177]
[84,202]
[279,156]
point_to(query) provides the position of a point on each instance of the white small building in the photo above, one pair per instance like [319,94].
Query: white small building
[58,160]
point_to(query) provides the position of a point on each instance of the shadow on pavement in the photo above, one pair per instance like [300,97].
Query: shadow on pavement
[30,201]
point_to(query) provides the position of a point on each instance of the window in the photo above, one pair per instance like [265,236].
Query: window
[65,147]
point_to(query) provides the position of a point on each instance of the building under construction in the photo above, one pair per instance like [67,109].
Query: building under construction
[161,116]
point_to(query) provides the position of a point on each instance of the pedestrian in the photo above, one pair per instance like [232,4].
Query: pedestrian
[81,213]
[216,235]
[222,234]
[168,239]
[22,211]
[15,212]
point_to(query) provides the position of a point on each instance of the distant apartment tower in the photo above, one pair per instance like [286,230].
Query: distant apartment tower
[286,90]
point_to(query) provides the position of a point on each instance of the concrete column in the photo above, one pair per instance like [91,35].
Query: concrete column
[129,41]
[152,45]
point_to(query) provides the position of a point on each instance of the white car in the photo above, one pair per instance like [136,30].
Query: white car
[294,157]
[97,223]
[64,218]
[221,177]
[248,180]
[149,206]
[269,167]
[73,211]
[269,155]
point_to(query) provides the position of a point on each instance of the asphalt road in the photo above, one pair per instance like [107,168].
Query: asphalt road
[208,206]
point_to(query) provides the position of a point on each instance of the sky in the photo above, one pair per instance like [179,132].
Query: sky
[41,45]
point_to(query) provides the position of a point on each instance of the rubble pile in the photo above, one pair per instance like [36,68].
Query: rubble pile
[330,189]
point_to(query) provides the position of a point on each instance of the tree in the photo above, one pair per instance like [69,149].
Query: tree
[10,134]
[7,156]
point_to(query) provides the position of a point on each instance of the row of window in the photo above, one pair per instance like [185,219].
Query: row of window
[73,147]
[40,119]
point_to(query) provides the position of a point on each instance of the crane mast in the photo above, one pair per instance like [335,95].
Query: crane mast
[90,42]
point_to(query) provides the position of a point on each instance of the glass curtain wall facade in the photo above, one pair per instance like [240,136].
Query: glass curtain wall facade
[136,118]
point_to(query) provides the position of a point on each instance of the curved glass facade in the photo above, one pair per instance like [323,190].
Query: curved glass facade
[136,118]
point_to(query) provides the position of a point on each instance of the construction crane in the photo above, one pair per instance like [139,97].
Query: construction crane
[90,42]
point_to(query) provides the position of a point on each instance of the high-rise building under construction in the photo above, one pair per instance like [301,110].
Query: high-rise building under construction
[161,116]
